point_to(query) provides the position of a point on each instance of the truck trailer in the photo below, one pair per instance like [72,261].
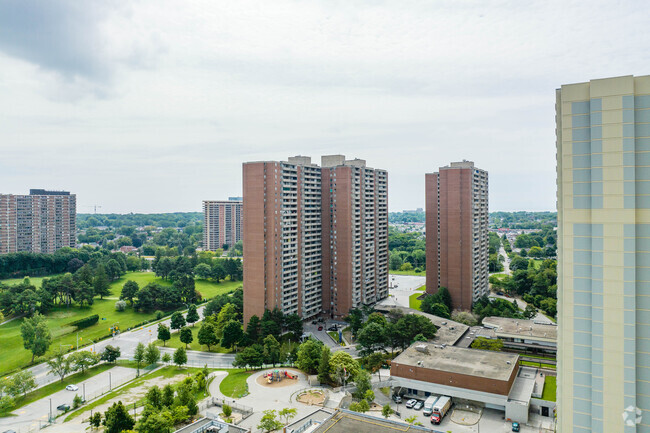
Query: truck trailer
[428,405]
[440,409]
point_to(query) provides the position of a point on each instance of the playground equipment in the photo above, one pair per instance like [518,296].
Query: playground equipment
[278,375]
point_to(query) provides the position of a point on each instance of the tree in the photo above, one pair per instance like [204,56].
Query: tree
[138,356]
[445,297]
[271,350]
[192,315]
[163,333]
[324,365]
[438,309]
[309,354]
[369,396]
[129,290]
[178,321]
[167,398]
[151,354]
[355,319]
[518,264]
[36,335]
[152,421]
[6,403]
[166,358]
[120,306]
[362,406]
[362,381]
[293,324]
[227,313]
[269,421]
[487,344]
[207,335]
[252,356]
[232,334]
[464,317]
[374,361]
[343,366]
[386,411]
[253,329]
[530,311]
[413,420]
[287,414]
[180,357]
[111,353]
[59,365]
[83,360]
[21,383]
[371,338]
[96,420]
[186,336]
[154,397]
[117,419]
[101,282]
[203,271]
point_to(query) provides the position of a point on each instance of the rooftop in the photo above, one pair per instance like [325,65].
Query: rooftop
[504,327]
[344,421]
[458,360]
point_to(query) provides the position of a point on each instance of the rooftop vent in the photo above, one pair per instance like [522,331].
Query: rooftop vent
[422,348]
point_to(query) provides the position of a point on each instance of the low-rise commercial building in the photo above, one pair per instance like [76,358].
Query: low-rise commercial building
[490,379]
[524,334]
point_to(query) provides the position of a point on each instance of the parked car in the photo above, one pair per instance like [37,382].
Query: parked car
[515,426]
[500,293]
[397,399]
[333,328]
[320,328]
[313,322]
[418,405]
[63,407]
[411,403]
[72,388]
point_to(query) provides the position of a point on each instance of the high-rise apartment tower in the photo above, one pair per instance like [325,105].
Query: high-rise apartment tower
[457,232]
[603,200]
[315,238]
[41,222]
[222,223]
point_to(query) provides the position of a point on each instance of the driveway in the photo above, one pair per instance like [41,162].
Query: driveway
[539,317]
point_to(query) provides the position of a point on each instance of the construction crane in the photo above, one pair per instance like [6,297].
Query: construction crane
[95,207]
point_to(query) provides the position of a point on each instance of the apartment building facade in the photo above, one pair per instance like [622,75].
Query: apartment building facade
[603,199]
[312,236]
[457,246]
[41,222]
[222,223]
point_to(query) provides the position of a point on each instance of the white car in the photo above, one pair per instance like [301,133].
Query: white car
[72,388]
[411,403]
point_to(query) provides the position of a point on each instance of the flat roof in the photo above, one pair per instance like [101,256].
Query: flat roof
[458,360]
[522,387]
[344,421]
[519,328]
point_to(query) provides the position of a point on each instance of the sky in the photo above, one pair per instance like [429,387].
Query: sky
[153,106]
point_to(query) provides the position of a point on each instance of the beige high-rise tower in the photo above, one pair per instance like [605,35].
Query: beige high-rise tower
[315,238]
[603,199]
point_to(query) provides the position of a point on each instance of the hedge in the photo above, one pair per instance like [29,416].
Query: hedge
[85,322]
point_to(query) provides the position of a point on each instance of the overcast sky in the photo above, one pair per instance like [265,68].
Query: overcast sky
[152,106]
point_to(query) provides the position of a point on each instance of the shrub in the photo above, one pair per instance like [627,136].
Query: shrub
[159,315]
[120,305]
[76,401]
[417,270]
[85,322]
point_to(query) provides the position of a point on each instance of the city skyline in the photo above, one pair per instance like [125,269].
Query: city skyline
[83,101]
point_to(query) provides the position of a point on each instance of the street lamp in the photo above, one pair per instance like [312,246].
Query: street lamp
[50,410]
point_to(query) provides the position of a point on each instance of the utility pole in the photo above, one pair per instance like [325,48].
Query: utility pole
[84,385]
[110,387]
[50,410]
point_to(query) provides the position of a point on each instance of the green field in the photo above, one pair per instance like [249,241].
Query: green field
[36,281]
[417,274]
[550,388]
[175,342]
[421,288]
[234,385]
[535,264]
[14,356]
[414,302]
[538,364]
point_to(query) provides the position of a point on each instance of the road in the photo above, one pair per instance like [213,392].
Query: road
[506,263]
[401,287]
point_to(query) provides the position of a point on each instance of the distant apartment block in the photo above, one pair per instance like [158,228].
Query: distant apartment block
[222,223]
[457,232]
[603,285]
[315,238]
[41,222]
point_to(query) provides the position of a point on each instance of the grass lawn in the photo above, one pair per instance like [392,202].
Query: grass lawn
[335,337]
[535,264]
[550,388]
[417,274]
[421,288]
[58,386]
[175,342]
[36,281]
[168,372]
[234,385]
[414,302]
[14,356]
[538,364]
[498,275]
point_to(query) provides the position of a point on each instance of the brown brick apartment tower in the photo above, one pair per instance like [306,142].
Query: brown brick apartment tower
[41,222]
[222,223]
[315,239]
[457,232]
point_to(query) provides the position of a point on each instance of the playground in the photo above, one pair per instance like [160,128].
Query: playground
[311,397]
[278,378]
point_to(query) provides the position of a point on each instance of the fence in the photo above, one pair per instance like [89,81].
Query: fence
[246,411]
